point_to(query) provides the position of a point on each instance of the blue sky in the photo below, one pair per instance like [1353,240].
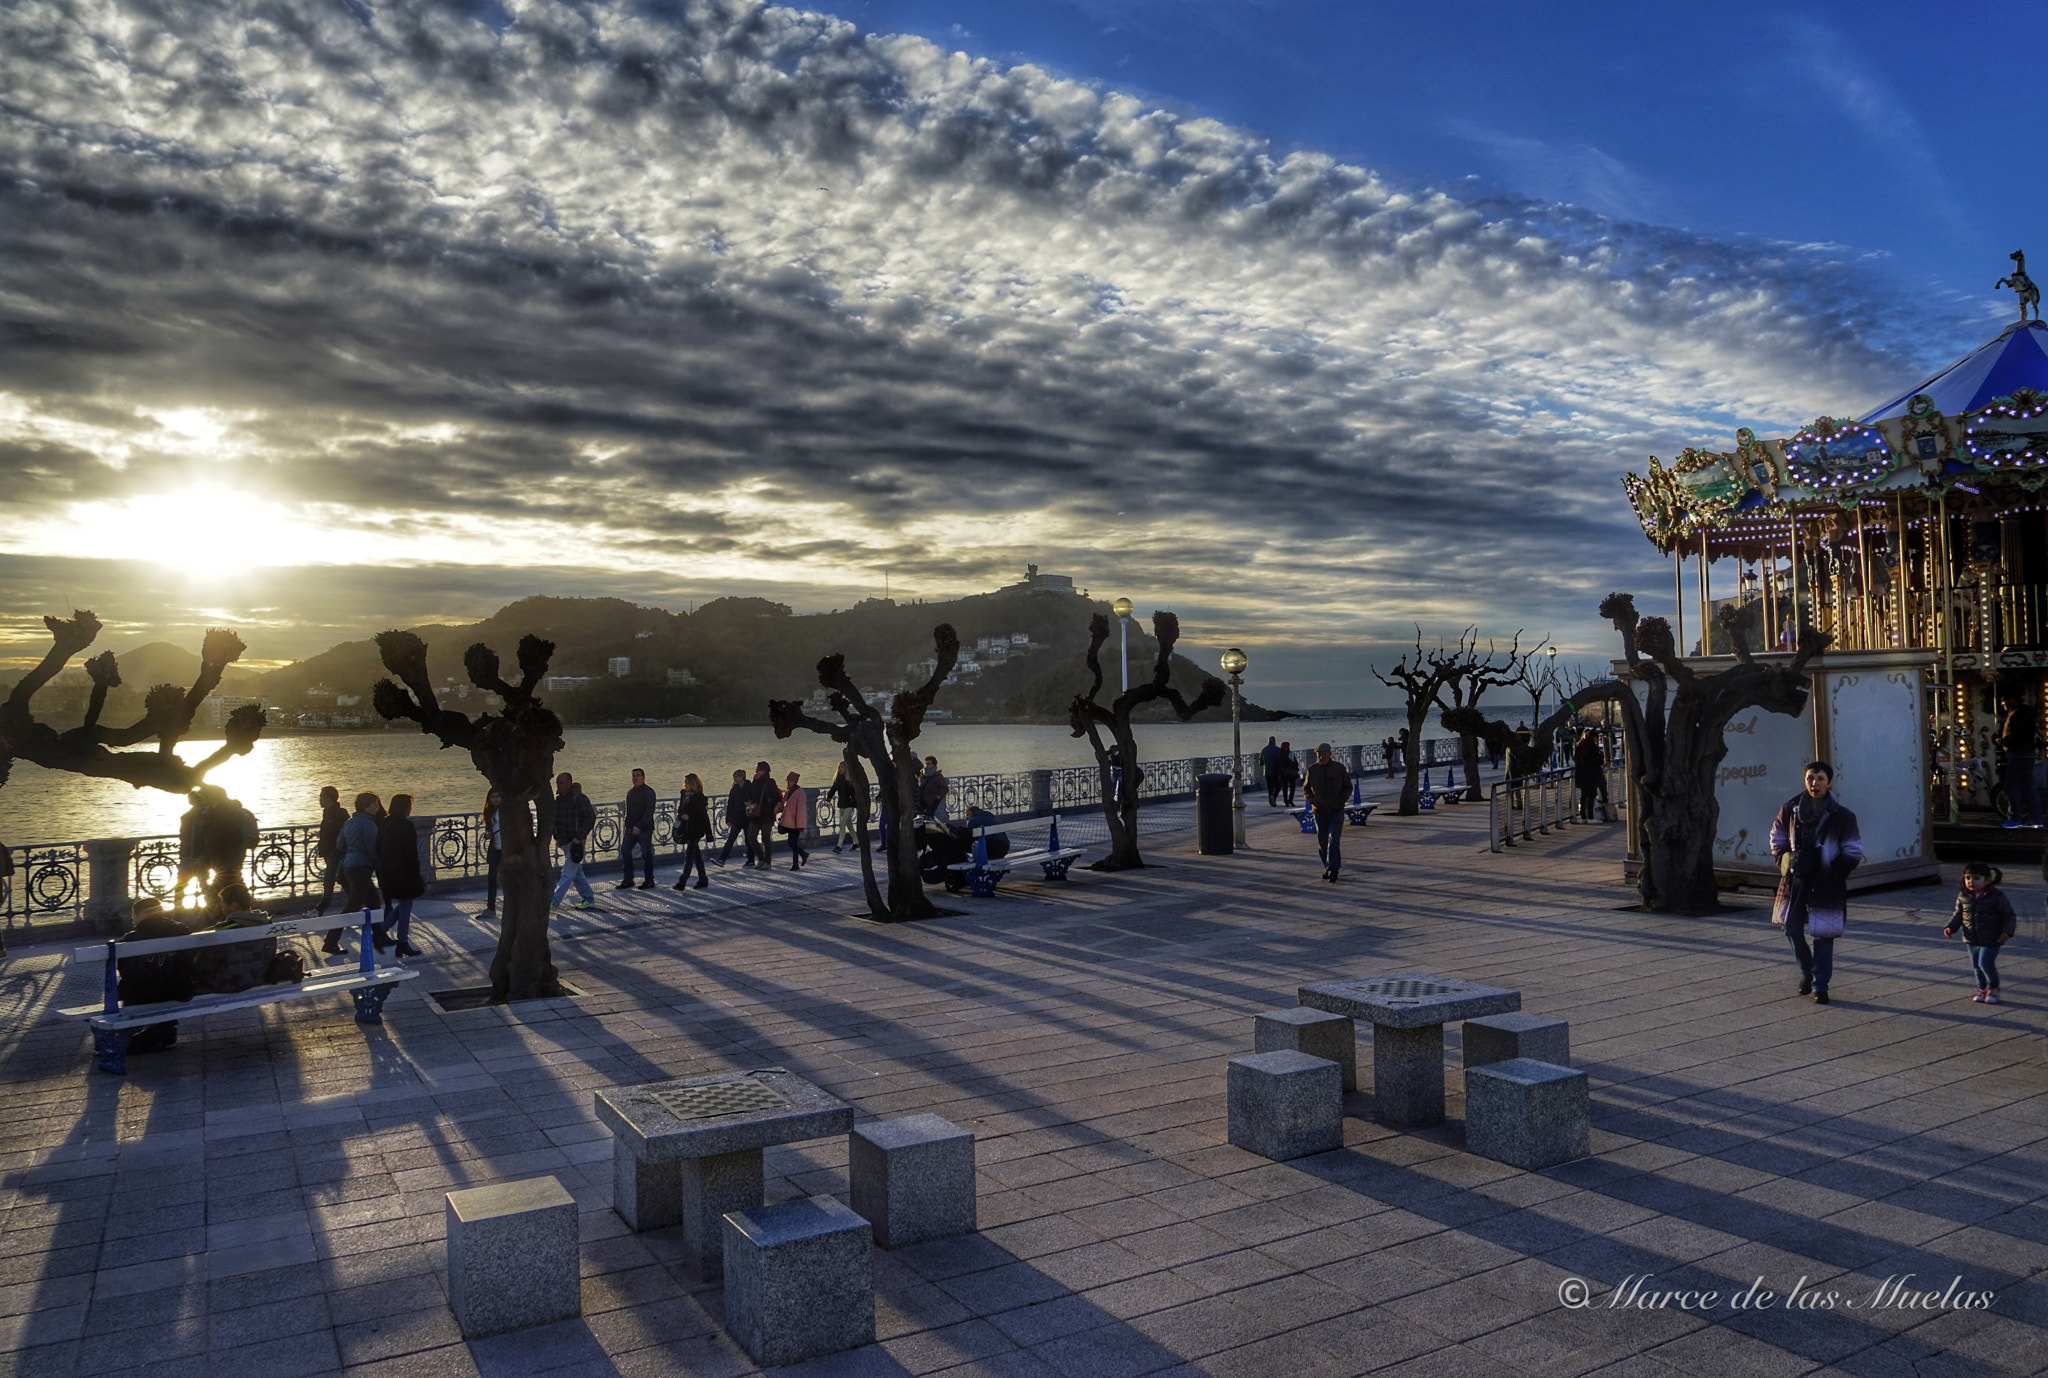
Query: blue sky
[1312,322]
[1893,130]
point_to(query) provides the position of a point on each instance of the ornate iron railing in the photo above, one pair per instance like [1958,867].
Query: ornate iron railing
[51,884]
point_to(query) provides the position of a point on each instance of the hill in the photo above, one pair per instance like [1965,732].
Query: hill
[1021,657]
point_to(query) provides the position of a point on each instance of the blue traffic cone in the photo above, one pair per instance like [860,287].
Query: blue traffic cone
[1052,835]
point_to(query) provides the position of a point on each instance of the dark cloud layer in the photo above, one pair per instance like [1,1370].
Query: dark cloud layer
[710,296]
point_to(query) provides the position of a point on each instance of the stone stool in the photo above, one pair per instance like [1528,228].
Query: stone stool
[913,1178]
[799,1280]
[1315,1032]
[1499,1037]
[1527,1114]
[512,1256]
[1285,1104]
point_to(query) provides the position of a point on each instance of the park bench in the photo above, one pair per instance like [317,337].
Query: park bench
[114,1023]
[983,872]
[1355,813]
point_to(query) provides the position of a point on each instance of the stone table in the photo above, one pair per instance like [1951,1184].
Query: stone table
[688,1151]
[1408,1010]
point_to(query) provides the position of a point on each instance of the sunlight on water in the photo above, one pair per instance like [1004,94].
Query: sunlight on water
[280,779]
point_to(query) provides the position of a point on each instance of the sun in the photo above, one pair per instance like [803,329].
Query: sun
[203,528]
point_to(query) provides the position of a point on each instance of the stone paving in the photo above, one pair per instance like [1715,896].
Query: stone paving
[267,1198]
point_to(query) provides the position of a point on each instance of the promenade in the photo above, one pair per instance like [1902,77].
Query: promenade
[266,1199]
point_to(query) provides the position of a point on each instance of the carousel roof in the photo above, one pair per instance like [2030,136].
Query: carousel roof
[2016,359]
[1981,425]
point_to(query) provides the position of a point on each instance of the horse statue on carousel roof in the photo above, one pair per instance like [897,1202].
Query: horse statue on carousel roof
[2023,286]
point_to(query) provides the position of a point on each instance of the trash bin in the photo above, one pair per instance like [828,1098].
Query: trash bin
[1212,815]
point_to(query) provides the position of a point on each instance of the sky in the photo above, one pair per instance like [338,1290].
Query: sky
[1314,322]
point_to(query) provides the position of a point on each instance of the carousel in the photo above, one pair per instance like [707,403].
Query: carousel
[1914,536]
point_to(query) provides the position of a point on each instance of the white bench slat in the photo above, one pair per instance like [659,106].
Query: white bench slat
[281,928]
[1015,859]
[136,1015]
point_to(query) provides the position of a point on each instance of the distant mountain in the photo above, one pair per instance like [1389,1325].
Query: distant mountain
[725,661]
[165,662]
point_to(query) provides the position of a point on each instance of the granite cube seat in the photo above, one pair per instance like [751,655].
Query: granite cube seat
[1285,1104]
[1527,1114]
[512,1256]
[799,1280]
[1500,1037]
[1318,1033]
[912,1178]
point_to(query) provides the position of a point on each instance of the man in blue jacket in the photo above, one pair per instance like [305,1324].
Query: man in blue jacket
[639,833]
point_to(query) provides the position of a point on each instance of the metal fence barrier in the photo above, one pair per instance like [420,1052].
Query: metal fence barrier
[1534,804]
[59,885]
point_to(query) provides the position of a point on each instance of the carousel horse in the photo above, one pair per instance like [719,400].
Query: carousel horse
[2022,285]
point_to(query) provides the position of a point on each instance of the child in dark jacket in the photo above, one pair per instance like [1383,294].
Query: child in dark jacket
[1985,919]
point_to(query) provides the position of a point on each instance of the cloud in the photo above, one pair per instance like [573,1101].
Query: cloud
[727,296]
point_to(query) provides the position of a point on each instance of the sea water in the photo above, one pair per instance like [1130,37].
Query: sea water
[280,780]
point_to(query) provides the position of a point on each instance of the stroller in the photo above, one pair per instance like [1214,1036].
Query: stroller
[941,846]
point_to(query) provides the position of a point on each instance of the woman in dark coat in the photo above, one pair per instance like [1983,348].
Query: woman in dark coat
[1817,843]
[693,829]
[398,866]
[1589,772]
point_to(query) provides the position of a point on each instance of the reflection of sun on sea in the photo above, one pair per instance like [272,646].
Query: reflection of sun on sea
[266,780]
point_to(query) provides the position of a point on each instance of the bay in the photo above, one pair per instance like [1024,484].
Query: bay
[280,779]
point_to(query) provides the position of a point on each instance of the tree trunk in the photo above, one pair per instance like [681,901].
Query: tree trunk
[1468,746]
[1679,825]
[1119,797]
[1411,790]
[523,967]
[907,899]
[857,776]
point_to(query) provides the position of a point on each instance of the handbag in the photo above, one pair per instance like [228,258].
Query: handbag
[1825,925]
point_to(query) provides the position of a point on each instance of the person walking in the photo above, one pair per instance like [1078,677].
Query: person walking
[1817,845]
[328,849]
[1329,790]
[1269,767]
[639,833]
[575,816]
[796,820]
[398,864]
[693,829]
[1589,773]
[1984,919]
[845,810]
[1403,744]
[932,789]
[494,843]
[358,865]
[1290,774]
[736,819]
[764,802]
[2020,736]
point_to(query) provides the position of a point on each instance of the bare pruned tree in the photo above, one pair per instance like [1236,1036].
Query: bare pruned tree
[1117,766]
[1676,743]
[863,731]
[1420,675]
[515,751]
[167,713]
[1468,676]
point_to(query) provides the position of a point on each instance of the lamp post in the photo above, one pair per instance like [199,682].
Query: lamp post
[1550,678]
[1234,662]
[1122,608]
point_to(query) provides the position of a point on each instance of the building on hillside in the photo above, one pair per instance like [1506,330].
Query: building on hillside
[618,667]
[680,679]
[216,708]
[566,684]
[1034,582]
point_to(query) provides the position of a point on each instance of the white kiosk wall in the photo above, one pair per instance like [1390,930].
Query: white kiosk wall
[1868,718]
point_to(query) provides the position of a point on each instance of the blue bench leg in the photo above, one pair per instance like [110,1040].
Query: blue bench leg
[982,883]
[1057,869]
[110,1047]
[370,1003]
